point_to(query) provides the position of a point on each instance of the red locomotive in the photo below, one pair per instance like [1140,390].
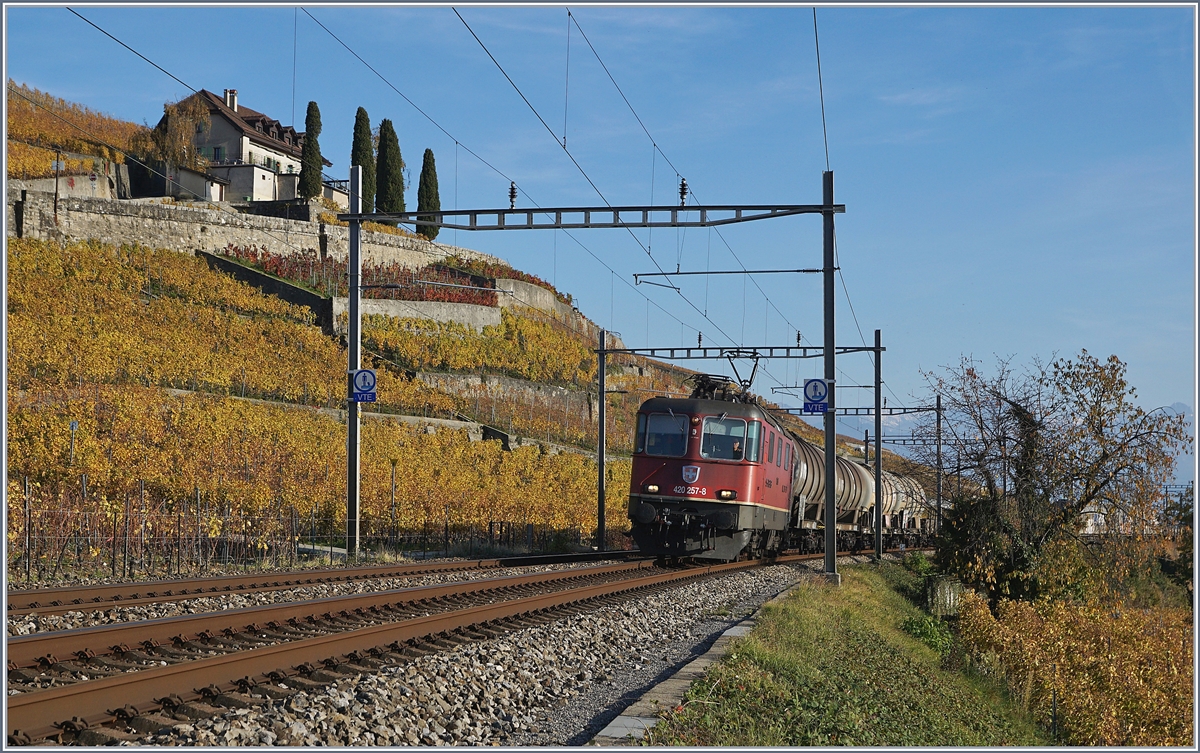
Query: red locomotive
[716,476]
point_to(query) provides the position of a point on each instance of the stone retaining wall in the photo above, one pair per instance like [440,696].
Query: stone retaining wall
[205,226]
[472,315]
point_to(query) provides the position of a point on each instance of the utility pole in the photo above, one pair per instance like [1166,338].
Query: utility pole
[354,358]
[878,448]
[602,355]
[831,572]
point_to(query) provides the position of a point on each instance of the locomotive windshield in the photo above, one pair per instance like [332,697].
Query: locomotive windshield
[662,434]
[724,438]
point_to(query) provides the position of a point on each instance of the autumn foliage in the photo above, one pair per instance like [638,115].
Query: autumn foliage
[95,334]
[519,346]
[39,123]
[1111,675]
[267,458]
[93,313]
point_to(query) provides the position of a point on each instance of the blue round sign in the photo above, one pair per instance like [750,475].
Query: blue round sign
[815,390]
[364,380]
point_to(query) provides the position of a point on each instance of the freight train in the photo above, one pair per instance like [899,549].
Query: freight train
[717,477]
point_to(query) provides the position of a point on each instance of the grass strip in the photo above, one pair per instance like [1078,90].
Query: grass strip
[834,666]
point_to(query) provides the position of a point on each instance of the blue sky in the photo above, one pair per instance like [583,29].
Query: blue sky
[1019,182]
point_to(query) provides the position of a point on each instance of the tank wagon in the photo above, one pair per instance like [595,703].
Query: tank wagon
[717,477]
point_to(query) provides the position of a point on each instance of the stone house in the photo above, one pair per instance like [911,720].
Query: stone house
[257,155]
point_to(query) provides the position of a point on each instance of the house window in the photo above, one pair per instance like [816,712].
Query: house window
[218,153]
[259,127]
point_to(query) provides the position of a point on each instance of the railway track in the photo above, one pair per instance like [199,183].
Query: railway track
[151,674]
[48,601]
[316,644]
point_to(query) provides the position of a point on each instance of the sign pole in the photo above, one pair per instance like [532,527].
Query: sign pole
[354,356]
[831,572]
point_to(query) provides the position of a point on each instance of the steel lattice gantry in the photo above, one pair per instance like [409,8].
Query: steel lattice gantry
[578,218]
[570,218]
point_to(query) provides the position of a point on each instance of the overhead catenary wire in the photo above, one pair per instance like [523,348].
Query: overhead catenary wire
[657,150]
[489,165]
[567,79]
[552,320]
[578,166]
[135,52]
[295,39]
[115,149]
[821,88]
[484,161]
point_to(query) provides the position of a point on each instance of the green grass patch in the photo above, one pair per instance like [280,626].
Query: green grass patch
[856,666]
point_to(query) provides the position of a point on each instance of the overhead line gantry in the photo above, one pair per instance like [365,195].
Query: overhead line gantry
[601,217]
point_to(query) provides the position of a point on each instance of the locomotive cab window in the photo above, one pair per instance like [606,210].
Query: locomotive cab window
[752,438]
[723,438]
[662,434]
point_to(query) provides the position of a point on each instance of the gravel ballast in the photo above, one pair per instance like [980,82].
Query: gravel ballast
[35,623]
[554,684]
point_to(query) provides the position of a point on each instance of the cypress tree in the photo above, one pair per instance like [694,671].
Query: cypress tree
[427,195]
[310,155]
[362,152]
[389,171]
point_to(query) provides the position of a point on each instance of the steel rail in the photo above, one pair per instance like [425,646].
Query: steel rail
[47,648]
[65,599]
[46,713]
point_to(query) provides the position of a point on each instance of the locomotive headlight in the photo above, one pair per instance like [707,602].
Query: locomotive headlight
[650,488]
[727,494]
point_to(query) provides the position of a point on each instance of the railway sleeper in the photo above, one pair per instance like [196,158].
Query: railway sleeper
[273,691]
[149,724]
[236,700]
[22,675]
[176,656]
[251,640]
[106,662]
[224,643]
[298,683]
[95,736]
[197,710]
[91,670]
[133,655]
